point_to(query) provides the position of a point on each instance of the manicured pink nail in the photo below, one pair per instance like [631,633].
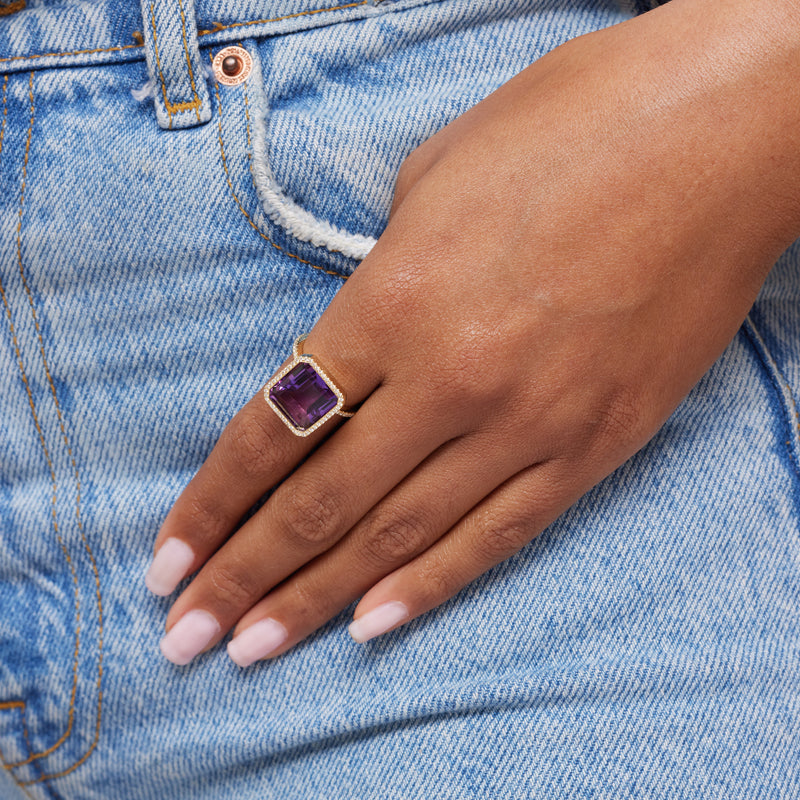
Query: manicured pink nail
[170,566]
[188,636]
[257,641]
[377,621]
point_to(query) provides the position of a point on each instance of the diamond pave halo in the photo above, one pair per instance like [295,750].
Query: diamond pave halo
[302,394]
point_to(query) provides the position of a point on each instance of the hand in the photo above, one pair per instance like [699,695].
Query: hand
[562,264]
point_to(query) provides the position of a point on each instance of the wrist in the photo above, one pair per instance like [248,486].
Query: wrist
[739,61]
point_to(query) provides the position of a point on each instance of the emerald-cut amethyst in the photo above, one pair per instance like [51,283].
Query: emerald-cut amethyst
[303,396]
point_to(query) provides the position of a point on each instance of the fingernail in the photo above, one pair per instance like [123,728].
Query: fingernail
[188,636]
[377,621]
[257,641]
[169,567]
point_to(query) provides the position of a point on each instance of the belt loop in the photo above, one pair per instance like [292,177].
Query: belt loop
[173,61]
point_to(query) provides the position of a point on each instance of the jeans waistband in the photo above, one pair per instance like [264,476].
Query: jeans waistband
[81,32]
[166,33]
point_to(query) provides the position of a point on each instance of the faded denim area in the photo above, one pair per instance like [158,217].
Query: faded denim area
[646,645]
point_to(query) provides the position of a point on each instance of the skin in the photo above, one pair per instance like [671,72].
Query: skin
[562,264]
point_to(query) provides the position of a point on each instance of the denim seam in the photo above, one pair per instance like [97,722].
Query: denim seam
[68,733]
[307,13]
[9,704]
[197,99]
[238,202]
[217,27]
[49,790]
[19,704]
[784,395]
[90,51]
[5,113]
[173,108]
[40,432]
[78,515]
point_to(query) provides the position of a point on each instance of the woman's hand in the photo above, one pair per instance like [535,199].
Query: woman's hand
[562,264]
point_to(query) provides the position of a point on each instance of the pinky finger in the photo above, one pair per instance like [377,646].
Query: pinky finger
[494,530]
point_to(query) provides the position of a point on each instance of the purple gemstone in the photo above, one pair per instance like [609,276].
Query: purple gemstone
[303,396]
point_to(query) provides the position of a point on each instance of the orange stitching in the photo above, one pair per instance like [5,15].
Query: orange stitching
[189,60]
[3,123]
[21,786]
[71,52]
[11,8]
[18,704]
[172,108]
[77,488]
[21,366]
[217,27]
[9,704]
[54,502]
[241,207]
[158,62]
[27,746]
[71,715]
[306,13]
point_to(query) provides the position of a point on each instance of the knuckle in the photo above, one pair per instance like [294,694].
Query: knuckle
[436,580]
[312,515]
[251,440]
[233,586]
[204,519]
[621,418]
[499,540]
[394,535]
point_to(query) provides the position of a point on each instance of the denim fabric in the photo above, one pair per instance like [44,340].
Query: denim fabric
[645,646]
[174,62]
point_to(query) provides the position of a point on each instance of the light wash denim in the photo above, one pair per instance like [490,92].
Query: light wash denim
[157,257]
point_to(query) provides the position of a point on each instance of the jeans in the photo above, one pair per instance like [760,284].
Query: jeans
[163,239]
